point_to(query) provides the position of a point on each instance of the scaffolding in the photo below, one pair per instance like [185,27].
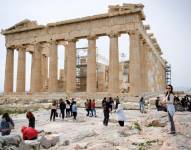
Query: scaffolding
[168,74]
[81,67]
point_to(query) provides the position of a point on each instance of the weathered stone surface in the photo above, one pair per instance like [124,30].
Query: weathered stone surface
[49,140]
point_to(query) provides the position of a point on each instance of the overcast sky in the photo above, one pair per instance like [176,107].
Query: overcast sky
[170,21]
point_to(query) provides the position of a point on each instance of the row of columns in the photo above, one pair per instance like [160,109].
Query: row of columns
[138,68]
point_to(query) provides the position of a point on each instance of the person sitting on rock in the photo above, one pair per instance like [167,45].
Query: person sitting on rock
[29,133]
[31,119]
[7,124]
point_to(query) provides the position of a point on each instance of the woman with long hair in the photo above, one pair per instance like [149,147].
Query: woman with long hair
[31,119]
[170,107]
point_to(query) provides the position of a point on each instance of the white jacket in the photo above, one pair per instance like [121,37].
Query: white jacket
[120,113]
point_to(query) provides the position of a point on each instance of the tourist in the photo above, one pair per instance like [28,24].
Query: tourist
[93,108]
[111,103]
[86,107]
[169,100]
[116,102]
[67,108]
[120,115]
[53,110]
[157,103]
[106,110]
[31,119]
[62,108]
[74,109]
[29,133]
[7,124]
[90,108]
[142,105]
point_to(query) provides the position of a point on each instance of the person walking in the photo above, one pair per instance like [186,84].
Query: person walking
[31,119]
[67,108]
[7,124]
[53,110]
[169,100]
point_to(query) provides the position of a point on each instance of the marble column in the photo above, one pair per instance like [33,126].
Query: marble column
[71,67]
[21,70]
[44,73]
[65,65]
[36,79]
[134,65]
[53,68]
[91,65]
[144,66]
[113,86]
[9,70]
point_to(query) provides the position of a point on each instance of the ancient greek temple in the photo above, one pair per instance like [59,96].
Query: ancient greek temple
[146,66]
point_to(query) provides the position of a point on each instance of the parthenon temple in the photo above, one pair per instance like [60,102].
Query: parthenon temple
[146,67]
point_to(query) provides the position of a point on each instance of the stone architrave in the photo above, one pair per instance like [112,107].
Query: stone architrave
[36,82]
[91,65]
[113,86]
[71,66]
[21,69]
[134,65]
[9,69]
[53,67]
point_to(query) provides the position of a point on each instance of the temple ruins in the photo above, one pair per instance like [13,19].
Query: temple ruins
[146,67]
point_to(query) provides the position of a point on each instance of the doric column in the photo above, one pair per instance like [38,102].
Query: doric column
[9,69]
[36,82]
[113,86]
[44,67]
[71,67]
[21,69]
[53,68]
[91,65]
[134,65]
[144,66]
[65,65]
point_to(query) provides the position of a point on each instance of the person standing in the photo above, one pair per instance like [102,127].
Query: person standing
[142,105]
[106,110]
[169,100]
[157,103]
[67,108]
[74,110]
[7,124]
[53,110]
[120,115]
[93,108]
[62,108]
[31,119]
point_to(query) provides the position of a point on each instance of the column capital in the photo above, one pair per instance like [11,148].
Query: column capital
[113,34]
[92,37]
[21,47]
[72,40]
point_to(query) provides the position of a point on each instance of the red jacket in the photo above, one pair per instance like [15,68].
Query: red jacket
[29,133]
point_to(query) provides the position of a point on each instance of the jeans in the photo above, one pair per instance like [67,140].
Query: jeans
[172,126]
[106,118]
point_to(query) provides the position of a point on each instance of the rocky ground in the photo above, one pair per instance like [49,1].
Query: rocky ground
[141,131]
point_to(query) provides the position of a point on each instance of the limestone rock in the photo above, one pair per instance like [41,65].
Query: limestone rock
[10,140]
[49,140]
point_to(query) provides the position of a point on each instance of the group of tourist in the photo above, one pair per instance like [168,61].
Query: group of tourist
[69,107]
[90,107]
[29,133]
[108,104]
